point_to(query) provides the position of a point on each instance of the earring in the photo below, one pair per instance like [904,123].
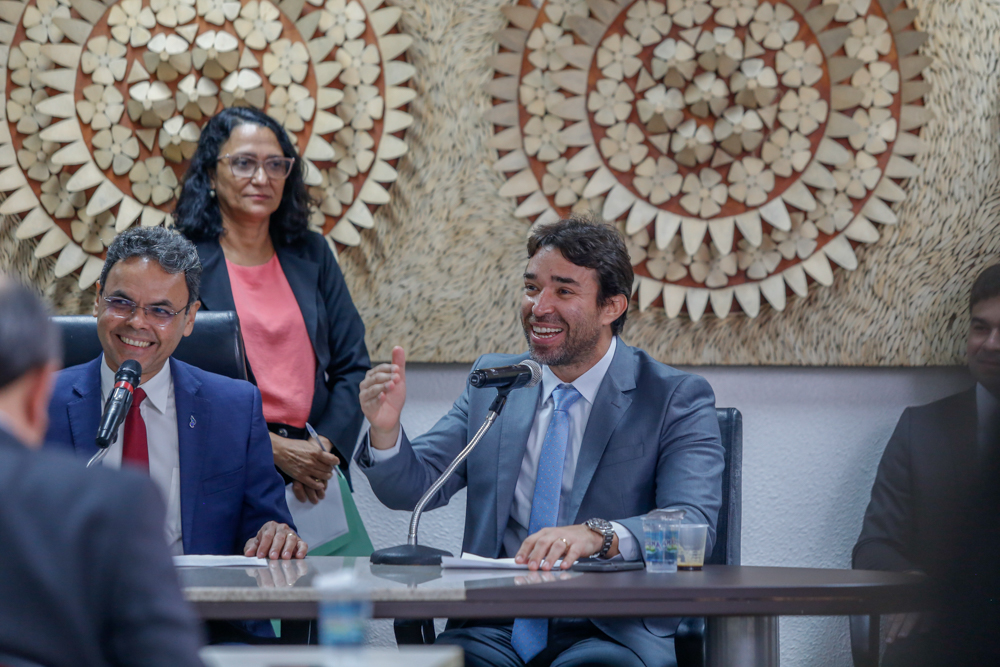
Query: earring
[211,193]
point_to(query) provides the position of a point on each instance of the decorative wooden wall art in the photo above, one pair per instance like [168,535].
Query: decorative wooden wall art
[742,145]
[104,105]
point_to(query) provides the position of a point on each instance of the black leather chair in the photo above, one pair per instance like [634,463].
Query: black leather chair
[215,344]
[689,641]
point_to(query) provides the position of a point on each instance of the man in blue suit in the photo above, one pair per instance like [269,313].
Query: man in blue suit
[201,437]
[573,463]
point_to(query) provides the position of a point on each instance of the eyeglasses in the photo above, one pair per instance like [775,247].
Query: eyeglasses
[124,308]
[246,166]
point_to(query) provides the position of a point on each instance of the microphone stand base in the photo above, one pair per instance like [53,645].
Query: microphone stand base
[409,554]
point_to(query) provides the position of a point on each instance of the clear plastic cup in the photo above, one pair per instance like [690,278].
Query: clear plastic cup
[691,542]
[659,529]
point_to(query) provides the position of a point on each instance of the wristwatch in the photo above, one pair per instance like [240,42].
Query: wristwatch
[603,528]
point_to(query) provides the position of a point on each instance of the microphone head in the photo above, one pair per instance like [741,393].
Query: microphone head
[130,371]
[536,371]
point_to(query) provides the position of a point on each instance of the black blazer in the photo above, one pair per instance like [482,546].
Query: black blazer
[335,329]
[926,471]
[87,580]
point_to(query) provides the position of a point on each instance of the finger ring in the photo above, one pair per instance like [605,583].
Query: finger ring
[563,540]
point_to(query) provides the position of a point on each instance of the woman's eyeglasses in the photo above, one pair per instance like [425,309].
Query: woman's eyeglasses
[246,166]
[123,308]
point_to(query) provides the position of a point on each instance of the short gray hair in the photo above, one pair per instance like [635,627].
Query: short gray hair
[28,338]
[173,252]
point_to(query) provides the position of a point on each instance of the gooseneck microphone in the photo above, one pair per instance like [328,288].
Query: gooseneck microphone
[505,378]
[117,406]
[525,374]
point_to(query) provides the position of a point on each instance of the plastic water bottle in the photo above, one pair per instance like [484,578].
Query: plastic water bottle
[344,609]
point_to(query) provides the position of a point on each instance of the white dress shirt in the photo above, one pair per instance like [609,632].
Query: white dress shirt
[579,414]
[159,411]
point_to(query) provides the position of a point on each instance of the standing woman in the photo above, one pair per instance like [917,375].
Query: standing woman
[245,205]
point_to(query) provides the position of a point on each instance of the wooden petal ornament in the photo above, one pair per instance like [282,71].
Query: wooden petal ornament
[752,132]
[105,103]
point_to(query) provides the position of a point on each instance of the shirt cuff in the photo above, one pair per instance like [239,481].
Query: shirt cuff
[628,547]
[379,455]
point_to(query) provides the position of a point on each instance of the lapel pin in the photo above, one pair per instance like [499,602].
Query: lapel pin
[192,422]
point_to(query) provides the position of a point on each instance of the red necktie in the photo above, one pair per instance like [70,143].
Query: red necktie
[135,451]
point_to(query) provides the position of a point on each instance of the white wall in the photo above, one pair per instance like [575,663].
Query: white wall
[812,439]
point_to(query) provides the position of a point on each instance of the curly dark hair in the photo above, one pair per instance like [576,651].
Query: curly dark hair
[197,213]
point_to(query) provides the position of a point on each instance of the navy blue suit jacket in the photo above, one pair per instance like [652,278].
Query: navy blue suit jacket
[229,486]
[652,441]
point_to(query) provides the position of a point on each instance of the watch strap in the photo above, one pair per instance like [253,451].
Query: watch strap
[603,528]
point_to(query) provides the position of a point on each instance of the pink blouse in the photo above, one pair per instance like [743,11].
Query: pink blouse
[277,344]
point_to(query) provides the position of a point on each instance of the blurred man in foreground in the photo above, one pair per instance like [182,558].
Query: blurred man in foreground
[929,509]
[84,575]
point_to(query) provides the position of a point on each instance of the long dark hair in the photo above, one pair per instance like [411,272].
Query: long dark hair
[197,213]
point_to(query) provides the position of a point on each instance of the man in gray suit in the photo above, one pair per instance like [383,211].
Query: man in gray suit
[929,473]
[573,463]
[85,577]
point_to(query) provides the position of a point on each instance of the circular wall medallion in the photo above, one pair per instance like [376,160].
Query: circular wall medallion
[105,105]
[741,145]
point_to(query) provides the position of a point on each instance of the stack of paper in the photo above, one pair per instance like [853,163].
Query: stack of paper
[218,561]
[474,562]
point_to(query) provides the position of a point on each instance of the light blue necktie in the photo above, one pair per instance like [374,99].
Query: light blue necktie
[530,635]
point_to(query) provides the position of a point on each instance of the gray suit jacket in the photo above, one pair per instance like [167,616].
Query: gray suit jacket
[652,441]
[85,577]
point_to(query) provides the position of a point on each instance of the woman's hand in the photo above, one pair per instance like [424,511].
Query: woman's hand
[306,463]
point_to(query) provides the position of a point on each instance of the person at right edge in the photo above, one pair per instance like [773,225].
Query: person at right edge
[245,205]
[934,509]
[573,463]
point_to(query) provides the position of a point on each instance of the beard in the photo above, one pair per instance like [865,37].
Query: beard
[578,342]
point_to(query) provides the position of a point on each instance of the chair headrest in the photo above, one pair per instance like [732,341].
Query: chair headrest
[215,344]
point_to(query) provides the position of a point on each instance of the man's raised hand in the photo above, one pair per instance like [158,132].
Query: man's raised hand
[383,393]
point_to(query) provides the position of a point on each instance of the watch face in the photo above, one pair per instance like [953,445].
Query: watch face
[599,525]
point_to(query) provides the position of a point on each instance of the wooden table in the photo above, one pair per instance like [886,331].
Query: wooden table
[742,603]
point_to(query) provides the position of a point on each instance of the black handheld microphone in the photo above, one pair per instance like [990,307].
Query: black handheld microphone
[525,374]
[119,401]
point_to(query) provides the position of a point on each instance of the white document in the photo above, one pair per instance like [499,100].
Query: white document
[218,561]
[318,524]
[474,562]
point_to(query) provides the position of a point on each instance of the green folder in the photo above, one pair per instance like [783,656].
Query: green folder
[355,542]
